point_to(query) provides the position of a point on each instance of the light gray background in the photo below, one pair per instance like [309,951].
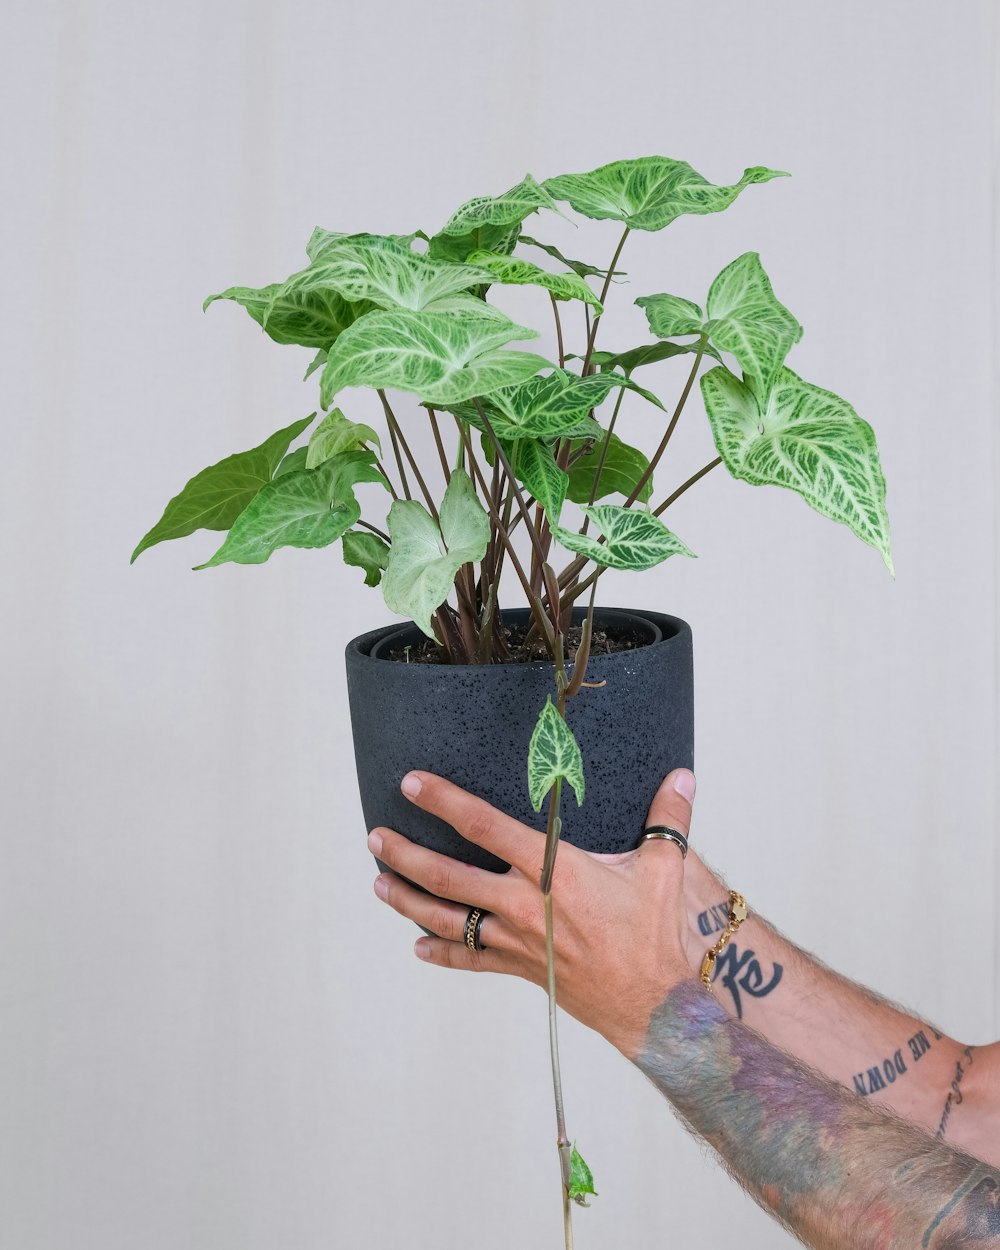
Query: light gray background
[212,1036]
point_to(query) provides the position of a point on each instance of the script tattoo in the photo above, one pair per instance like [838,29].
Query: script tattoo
[954,1098]
[737,972]
[889,1070]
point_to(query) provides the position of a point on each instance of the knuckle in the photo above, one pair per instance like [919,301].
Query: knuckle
[480,824]
[442,922]
[439,879]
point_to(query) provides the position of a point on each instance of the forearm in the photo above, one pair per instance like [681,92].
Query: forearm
[833,1167]
[881,1053]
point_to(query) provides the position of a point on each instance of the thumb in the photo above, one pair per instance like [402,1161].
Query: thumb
[671,804]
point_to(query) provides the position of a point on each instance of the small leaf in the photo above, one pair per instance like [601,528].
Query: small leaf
[634,540]
[444,358]
[513,271]
[553,753]
[647,354]
[309,508]
[806,439]
[334,434]
[535,466]
[649,193]
[309,318]
[669,315]
[623,467]
[555,406]
[581,1179]
[746,320]
[424,560]
[215,497]
[489,222]
[317,362]
[579,267]
[366,551]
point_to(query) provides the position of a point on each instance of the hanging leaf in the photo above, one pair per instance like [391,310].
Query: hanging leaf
[309,508]
[423,559]
[744,318]
[308,318]
[647,354]
[649,193]
[579,267]
[366,551]
[534,464]
[215,497]
[444,358]
[623,467]
[512,271]
[334,434]
[669,316]
[634,540]
[806,439]
[553,754]
[581,1179]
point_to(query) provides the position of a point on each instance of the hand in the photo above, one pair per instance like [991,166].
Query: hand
[619,920]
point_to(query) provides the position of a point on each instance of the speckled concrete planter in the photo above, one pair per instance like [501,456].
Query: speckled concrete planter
[472,723]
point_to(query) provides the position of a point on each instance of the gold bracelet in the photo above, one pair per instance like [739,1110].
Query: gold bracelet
[737,914]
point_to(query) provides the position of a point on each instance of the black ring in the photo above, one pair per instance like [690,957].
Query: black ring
[477,943]
[473,924]
[668,835]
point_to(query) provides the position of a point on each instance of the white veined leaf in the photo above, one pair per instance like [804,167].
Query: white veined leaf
[309,318]
[557,405]
[553,754]
[490,222]
[745,318]
[669,316]
[444,358]
[514,271]
[336,433]
[650,192]
[806,439]
[423,559]
[534,465]
[366,551]
[323,242]
[634,540]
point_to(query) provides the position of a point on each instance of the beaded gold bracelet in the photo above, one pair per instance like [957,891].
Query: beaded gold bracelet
[737,914]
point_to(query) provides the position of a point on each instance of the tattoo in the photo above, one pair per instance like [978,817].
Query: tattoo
[743,972]
[954,1098]
[889,1070]
[977,1202]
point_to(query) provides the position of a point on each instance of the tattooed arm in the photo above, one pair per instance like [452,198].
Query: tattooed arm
[880,1052]
[834,1169]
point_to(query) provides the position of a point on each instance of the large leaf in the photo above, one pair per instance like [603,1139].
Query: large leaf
[650,192]
[744,318]
[806,439]
[513,271]
[215,497]
[334,434]
[309,318]
[490,223]
[323,242]
[444,358]
[553,754]
[423,559]
[534,464]
[670,316]
[309,508]
[579,267]
[623,467]
[557,405]
[633,540]
[366,551]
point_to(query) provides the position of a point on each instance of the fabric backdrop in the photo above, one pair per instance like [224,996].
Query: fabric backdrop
[212,1035]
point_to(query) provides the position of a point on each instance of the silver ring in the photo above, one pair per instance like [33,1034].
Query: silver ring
[473,924]
[668,835]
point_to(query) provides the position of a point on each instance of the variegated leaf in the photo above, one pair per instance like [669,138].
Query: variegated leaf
[423,559]
[323,242]
[294,460]
[806,439]
[669,316]
[309,318]
[490,222]
[650,192]
[744,318]
[513,271]
[534,464]
[308,508]
[579,267]
[444,358]
[633,540]
[553,755]
[647,354]
[366,551]
[215,497]
[622,469]
[334,434]
[557,405]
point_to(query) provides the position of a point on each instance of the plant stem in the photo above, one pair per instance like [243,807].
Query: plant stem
[499,452]
[695,477]
[604,455]
[559,333]
[396,433]
[388,480]
[440,446]
[592,337]
[399,462]
[375,530]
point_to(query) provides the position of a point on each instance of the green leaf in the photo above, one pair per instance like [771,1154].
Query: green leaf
[579,267]
[634,540]
[444,358]
[557,405]
[647,354]
[806,439]
[581,1179]
[669,315]
[457,248]
[215,497]
[424,560]
[623,466]
[649,193]
[490,223]
[366,551]
[323,242]
[553,754]
[309,318]
[513,271]
[534,464]
[317,362]
[294,460]
[309,508]
[334,434]
[746,320]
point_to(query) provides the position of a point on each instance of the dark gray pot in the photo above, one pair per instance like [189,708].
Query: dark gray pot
[472,723]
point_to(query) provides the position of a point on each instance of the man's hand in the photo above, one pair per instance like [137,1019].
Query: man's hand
[618,919]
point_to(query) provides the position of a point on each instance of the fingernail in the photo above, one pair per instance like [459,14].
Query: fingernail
[421,948]
[375,842]
[410,785]
[684,784]
[382,888]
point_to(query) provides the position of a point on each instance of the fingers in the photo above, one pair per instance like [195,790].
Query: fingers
[457,955]
[671,805]
[439,874]
[445,919]
[477,821]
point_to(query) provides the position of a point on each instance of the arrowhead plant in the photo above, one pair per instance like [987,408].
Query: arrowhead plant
[527,458]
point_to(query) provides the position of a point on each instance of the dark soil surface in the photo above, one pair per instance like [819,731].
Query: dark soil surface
[602,642]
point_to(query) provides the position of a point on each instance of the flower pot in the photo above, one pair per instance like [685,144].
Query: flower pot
[472,724]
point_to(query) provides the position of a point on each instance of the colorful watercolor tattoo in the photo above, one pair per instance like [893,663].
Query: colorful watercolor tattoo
[833,1169]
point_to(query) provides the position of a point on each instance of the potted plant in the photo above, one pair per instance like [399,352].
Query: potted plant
[529,488]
